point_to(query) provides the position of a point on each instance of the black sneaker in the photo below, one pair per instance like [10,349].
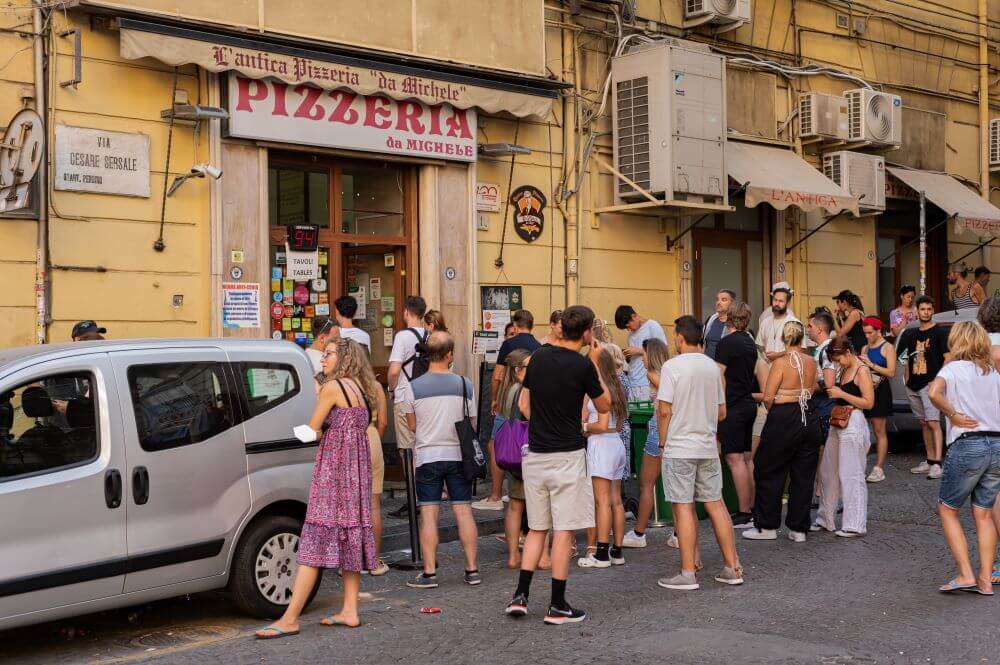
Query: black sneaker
[518,606]
[422,581]
[558,617]
[472,578]
[742,520]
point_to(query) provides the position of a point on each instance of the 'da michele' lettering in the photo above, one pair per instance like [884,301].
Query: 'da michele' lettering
[343,107]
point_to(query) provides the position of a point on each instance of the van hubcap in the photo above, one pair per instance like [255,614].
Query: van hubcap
[275,567]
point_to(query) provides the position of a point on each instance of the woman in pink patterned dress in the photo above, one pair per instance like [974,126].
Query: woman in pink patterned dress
[338,529]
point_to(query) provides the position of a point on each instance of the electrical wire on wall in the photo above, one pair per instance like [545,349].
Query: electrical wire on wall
[498,262]
[159,245]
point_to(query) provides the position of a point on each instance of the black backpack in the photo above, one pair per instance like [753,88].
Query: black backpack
[419,362]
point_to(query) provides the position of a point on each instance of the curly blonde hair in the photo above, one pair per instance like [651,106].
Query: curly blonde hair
[968,341]
[353,363]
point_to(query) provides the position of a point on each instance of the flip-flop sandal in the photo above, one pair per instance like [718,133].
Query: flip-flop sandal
[334,621]
[979,591]
[278,633]
[954,586]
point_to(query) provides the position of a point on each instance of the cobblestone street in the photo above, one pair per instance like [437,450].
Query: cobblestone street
[830,600]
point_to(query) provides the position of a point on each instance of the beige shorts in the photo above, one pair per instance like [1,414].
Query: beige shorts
[558,493]
[404,435]
[758,423]
[378,460]
[689,480]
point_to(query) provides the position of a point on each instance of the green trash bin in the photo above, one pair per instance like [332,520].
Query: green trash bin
[640,414]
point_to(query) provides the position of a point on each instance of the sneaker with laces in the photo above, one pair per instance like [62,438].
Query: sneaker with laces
[591,561]
[935,472]
[557,616]
[486,504]
[472,578]
[923,467]
[423,581]
[617,560]
[731,576]
[876,476]
[760,534]
[518,606]
[631,539]
[796,536]
[680,582]
[673,542]
[742,520]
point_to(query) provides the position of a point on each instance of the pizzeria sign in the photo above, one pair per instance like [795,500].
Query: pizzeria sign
[270,109]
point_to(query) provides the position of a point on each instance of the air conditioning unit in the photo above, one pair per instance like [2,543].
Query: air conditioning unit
[725,14]
[822,116]
[861,174]
[995,142]
[669,124]
[875,117]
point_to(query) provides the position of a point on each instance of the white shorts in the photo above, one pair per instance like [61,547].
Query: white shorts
[606,456]
[921,405]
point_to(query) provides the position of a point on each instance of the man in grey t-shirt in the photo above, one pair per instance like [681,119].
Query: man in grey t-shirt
[640,329]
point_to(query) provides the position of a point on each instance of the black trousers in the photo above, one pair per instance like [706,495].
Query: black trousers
[788,450]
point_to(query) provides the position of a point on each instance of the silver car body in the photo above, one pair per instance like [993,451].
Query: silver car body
[64,551]
[902,419]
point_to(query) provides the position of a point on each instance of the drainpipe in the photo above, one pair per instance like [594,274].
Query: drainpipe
[984,105]
[923,244]
[569,160]
[42,249]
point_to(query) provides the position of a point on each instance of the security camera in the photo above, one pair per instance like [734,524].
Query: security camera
[202,170]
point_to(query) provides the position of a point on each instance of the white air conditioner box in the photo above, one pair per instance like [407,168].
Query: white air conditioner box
[861,174]
[995,142]
[822,116]
[875,117]
[669,102]
[725,14]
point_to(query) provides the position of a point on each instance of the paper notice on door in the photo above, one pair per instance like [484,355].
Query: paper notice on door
[359,293]
[387,336]
[495,319]
[375,287]
[302,266]
[485,342]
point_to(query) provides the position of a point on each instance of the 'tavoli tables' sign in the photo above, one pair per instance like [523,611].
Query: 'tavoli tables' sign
[101,161]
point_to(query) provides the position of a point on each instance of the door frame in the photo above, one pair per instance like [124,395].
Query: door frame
[719,236]
[399,282]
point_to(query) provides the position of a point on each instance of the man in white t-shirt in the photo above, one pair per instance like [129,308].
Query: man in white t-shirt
[690,403]
[769,340]
[431,405]
[346,308]
[640,329]
[404,350]
[324,331]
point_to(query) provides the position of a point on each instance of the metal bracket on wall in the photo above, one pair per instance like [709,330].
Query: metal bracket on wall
[788,250]
[77,58]
[914,241]
[671,242]
[974,250]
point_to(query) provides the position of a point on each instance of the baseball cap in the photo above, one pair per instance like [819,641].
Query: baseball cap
[783,286]
[84,327]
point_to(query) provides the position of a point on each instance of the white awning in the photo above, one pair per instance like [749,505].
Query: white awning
[780,178]
[971,211]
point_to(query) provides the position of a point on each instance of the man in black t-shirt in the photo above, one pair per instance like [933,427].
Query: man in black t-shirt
[925,349]
[558,493]
[736,355]
[523,322]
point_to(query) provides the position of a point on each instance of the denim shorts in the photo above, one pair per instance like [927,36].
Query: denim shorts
[971,468]
[652,447]
[498,422]
[432,478]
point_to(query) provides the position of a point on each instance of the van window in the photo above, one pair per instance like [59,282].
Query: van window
[179,404]
[47,425]
[267,385]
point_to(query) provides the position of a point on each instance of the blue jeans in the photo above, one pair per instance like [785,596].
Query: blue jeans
[972,468]
[432,478]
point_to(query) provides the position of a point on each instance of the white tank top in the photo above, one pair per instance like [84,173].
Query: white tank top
[610,437]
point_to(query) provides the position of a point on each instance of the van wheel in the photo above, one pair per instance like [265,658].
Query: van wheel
[264,567]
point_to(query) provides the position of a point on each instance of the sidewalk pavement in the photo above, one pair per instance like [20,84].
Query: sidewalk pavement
[829,600]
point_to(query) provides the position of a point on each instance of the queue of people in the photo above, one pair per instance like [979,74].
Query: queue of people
[787,411]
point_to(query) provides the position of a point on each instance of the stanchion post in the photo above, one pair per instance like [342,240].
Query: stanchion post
[416,560]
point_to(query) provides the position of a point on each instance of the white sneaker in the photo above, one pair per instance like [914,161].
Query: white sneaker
[672,541]
[923,467]
[848,534]
[876,476]
[486,504]
[632,540]
[796,536]
[760,534]
[935,472]
[590,561]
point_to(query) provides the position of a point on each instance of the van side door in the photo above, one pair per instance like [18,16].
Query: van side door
[187,464]
[62,487]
